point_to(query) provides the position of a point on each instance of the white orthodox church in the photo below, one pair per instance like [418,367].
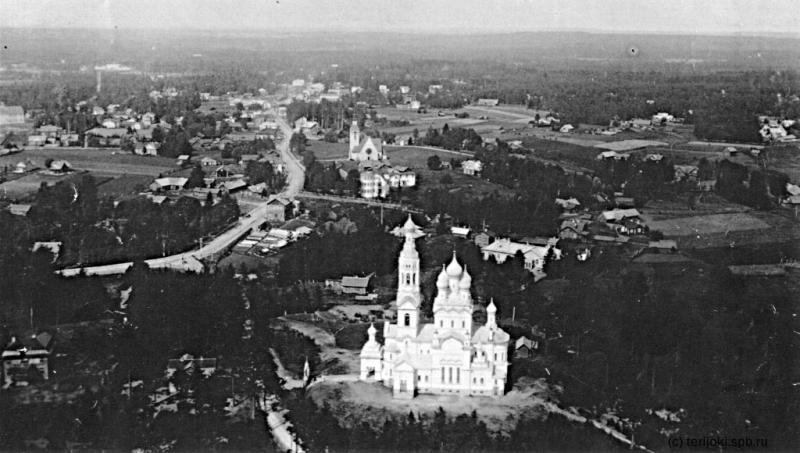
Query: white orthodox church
[448,356]
[364,147]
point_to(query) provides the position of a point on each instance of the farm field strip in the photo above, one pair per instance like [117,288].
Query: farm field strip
[707,224]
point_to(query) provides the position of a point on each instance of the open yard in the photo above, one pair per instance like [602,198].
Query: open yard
[101,161]
[327,151]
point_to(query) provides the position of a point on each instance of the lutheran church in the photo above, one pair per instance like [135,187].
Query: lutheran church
[364,147]
[448,356]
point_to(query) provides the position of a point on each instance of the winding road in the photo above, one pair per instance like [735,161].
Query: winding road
[193,260]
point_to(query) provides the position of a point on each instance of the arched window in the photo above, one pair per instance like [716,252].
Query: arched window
[407,320]
[408,279]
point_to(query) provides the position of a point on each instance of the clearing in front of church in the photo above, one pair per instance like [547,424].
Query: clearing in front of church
[355,402]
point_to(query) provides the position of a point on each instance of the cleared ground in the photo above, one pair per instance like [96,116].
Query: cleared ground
[101,161]
[327,151]
[19,189]
[707,224]
[123,185]
[355,402]
[417,156]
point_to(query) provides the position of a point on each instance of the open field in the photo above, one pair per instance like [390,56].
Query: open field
[327,151]
[707,224]
[123,185]
[20,188]
[417,156]
[110,162]
[463,184]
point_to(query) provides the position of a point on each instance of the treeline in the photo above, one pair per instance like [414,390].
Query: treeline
[167,315]
[321,431]
[237,149]
[327,114]
[334,253]
[760,189]
[453,139]
[94,231]
[32,292]
[646,340]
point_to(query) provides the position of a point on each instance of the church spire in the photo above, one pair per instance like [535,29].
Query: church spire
[491,313]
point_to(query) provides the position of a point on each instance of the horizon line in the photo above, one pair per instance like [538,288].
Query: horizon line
[440,32]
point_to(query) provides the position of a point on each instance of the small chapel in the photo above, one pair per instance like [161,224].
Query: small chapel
[364,147]
[451,355]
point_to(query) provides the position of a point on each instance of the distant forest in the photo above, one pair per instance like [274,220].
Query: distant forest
[718,83]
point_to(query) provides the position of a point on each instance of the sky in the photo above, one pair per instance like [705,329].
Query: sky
[419,16]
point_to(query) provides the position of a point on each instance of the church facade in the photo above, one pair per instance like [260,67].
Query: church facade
[364,147]
[449,356]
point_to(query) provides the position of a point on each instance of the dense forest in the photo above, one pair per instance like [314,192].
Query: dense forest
[94,230]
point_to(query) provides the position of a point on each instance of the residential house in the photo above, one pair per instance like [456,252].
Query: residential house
[19,209]
[234,185]
[608,155]
[356,285]
[568,204]
[277,209]
[488,102]
[37,140]
[525,347]
[26,359]
[573,229]
[624,202]
[50,131]
[183,159]
[623,221]
[208,161]
[373,185]
[661,118]
[460,232]
[169,183]
[11,115]
[60,166]
[107,136]
[146,149]
[566,128]
[483,239]
[502,249]
[189,365]
[686,172]
[229,171]
[471,167]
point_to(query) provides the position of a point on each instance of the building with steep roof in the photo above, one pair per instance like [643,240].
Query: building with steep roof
[364,147]
[451,355]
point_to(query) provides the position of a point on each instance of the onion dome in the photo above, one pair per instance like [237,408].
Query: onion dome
[454,269]
[466,280]
[441,282]
[491,308]
[371,331]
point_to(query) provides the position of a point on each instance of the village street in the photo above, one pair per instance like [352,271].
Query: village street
[192,260]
